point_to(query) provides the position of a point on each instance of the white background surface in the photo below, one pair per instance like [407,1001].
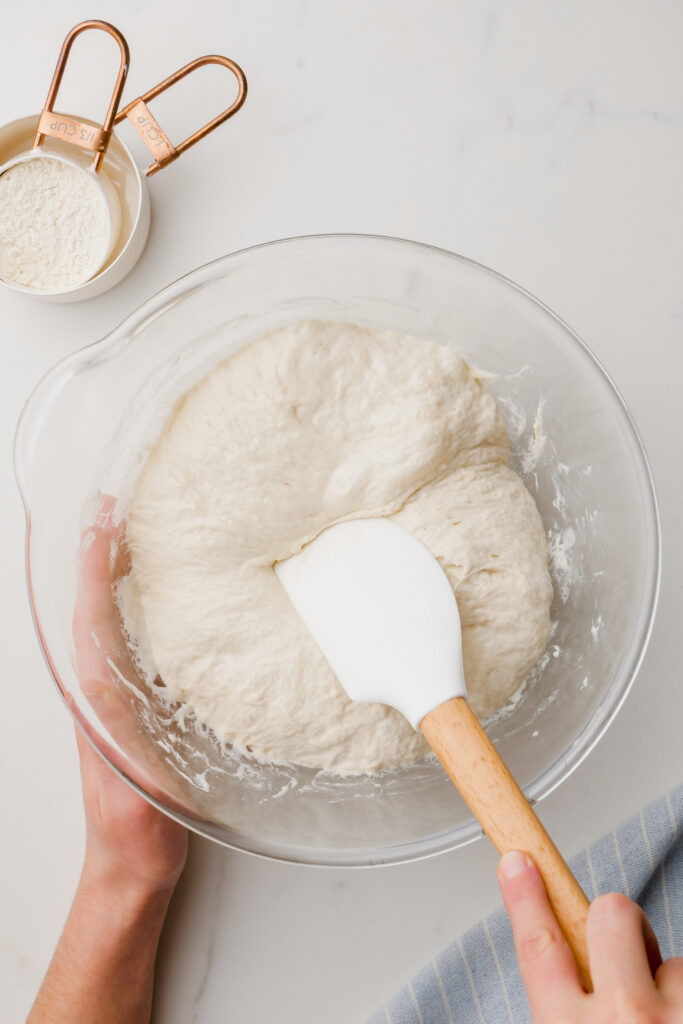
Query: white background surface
[545,140]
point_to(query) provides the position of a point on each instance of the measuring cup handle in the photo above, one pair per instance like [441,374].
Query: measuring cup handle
[151,132]
[68,129]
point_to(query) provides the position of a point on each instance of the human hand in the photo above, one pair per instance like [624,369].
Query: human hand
[631,983]
[130,845]
[103,967]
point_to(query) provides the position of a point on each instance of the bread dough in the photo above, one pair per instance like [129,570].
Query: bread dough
[312,424]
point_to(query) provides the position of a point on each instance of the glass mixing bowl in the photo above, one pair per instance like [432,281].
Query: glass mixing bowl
[89,423]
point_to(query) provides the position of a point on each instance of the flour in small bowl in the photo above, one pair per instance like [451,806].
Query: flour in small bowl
[54,225]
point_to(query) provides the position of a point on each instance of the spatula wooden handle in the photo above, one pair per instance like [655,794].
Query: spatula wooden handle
[475,766]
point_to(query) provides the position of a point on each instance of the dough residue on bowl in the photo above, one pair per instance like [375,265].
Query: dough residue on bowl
[312,424]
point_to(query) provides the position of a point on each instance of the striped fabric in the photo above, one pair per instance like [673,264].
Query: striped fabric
[477,981]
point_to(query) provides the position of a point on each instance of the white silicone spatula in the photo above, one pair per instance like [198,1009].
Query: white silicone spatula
[385,617]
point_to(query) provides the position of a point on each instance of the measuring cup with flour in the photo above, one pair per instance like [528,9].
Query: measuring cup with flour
[60,216]
[73,224]
[58,223]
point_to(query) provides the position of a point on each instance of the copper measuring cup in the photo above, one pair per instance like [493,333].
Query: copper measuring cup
[97,148]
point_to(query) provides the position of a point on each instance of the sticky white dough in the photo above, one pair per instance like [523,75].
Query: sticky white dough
[312,424]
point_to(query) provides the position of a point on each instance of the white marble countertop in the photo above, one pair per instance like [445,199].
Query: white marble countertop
[545,140]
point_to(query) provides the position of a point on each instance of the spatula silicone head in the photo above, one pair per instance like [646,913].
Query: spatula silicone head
[383,613]
[385,617]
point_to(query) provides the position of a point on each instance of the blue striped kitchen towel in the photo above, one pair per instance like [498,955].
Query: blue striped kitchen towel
[477,979]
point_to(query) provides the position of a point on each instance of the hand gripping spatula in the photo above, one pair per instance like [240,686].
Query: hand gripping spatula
[385,617]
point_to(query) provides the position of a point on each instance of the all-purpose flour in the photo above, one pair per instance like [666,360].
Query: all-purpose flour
[54,224]
[315,423]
